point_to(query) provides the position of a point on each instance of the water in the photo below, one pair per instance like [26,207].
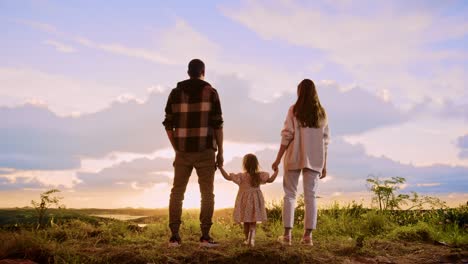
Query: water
[122,217]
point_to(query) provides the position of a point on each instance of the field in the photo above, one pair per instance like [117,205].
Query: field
[345,234]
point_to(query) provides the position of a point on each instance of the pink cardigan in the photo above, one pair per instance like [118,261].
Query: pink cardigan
[306,146]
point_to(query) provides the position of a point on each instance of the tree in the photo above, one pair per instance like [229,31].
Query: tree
[420,201]
[48,199]
[387,199]
[384,191]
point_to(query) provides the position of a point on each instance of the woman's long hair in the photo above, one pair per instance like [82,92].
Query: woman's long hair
[251,166]
[307,109]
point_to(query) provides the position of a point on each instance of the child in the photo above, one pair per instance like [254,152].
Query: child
[250,205]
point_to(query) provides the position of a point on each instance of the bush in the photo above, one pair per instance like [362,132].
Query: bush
[274,210]
[452,234]
[25,245]
[376,223]
[420,232]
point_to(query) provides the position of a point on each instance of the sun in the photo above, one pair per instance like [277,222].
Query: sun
[158,196]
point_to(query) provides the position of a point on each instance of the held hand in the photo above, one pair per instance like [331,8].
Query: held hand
[324,173]
[219,159]
[275,165]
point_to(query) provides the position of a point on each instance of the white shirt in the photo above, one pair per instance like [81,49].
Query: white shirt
[306,146]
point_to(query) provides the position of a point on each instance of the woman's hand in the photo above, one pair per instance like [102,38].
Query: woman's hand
[275,165]
[324,173]
[280,154]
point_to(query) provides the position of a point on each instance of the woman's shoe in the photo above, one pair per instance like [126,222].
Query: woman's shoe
[285,240]
[307,241]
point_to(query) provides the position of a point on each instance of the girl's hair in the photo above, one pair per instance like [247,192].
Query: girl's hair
[307,109]
[251,166]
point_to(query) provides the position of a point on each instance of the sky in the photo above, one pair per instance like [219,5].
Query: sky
[83,85]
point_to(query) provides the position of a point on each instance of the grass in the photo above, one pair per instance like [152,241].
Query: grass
[345,234]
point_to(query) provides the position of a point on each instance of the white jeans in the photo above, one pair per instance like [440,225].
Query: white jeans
[290,181]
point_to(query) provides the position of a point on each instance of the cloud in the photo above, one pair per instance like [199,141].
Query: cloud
[345,118]
[64,95]
[382,47]
[427,140]
[61,47]
[181,43]
[392,49]
[120,49]
[452,110]
[444,109]
[20,183]
[36,138]
[462,143]
[348,167]
[6,171]
[351,166]
[38,25]
[431,184]
[137,174]
[176,44]
[33,137]
[145,177]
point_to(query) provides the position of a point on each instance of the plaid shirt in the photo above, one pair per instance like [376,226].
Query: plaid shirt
[193,112]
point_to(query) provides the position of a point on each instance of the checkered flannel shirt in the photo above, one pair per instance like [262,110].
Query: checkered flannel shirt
[193,112]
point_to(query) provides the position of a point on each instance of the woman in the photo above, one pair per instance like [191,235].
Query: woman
[304,139]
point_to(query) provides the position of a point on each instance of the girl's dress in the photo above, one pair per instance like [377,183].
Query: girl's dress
[250,204]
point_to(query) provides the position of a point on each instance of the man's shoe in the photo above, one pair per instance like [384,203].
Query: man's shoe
[285,240]
[208,242]
[174,241]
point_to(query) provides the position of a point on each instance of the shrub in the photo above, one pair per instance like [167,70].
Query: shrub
[274,210]
[47,199]
[376,223]
[420,232]
[25,245]
[452,234]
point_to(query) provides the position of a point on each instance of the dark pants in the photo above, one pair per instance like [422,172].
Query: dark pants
[204,164]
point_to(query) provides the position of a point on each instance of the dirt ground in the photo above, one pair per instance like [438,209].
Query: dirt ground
[375,252]
[413,253]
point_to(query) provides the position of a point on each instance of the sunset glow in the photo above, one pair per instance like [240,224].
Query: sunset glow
[83,87]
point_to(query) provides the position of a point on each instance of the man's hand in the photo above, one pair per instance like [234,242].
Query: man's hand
[219,159]
[170,136]
[324,173]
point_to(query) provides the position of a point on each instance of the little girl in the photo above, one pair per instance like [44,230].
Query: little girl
[250,205]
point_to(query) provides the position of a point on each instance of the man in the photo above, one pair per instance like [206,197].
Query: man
[193,124]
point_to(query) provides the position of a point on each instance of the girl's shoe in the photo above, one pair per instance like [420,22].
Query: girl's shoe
[307,241]
[285,240]
[251,239]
